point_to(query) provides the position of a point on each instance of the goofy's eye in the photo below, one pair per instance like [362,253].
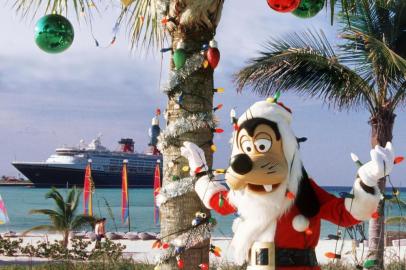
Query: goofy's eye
[263,145]
[247,146]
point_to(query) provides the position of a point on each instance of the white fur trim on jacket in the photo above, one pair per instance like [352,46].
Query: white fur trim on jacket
[364,204]
[205,189]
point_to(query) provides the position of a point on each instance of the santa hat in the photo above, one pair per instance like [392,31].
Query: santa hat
[278,113]
[299,184]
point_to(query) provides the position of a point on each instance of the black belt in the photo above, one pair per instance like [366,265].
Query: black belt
[285,257]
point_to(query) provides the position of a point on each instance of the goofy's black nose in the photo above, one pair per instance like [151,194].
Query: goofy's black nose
[241,164]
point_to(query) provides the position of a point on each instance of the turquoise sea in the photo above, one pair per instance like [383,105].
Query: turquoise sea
[19,200]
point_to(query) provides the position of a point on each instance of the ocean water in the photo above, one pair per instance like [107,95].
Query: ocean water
[20,200]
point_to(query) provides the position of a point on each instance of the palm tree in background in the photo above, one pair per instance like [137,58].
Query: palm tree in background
[64,217]
[367,70]
[156,24]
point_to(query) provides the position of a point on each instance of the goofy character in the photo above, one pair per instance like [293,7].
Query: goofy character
[279,206]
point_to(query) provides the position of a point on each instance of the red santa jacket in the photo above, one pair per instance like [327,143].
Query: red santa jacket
[331,209]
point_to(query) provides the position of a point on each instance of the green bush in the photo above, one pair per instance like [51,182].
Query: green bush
[9,247]
[108,250]
[93,265]
[131,265]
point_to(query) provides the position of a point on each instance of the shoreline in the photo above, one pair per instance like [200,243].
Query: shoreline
[17,184]
[141,250]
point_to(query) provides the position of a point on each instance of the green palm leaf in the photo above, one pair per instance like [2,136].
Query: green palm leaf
[58,199]
[81,220]
[73,199]
[32,7]
[306,63]
[144,24]
[370,42]
[400,96]
[395,221]
[63,218]
[48,212]
[396,201]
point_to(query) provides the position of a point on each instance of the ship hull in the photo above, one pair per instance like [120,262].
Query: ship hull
[50,176]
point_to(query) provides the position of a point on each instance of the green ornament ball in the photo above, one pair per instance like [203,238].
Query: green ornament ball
[53,33]
[308,8]
[179,58]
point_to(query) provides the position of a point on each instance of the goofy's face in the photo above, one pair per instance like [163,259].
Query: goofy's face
[258,162]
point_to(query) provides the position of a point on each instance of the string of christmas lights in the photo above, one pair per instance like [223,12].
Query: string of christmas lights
[186,63]
[175,189]
[191,123]
[178,77]
[368,263]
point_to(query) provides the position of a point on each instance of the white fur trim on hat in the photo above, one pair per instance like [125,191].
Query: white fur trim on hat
[300,223]
[364,204]
[278,114]
[205,189]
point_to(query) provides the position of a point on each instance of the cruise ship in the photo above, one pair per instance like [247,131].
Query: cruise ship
[66,167]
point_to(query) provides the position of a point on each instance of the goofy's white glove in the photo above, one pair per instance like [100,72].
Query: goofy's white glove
[381,165]
[204,188]
[195,155]
[366,192]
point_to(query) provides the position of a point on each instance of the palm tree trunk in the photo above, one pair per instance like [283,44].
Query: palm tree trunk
[382,128]
[178,213]
[65,238]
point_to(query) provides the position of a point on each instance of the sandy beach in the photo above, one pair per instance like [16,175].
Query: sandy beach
[140,250]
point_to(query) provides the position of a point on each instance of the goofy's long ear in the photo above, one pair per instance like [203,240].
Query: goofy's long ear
[306,200]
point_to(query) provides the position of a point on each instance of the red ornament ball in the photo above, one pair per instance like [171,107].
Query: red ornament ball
[283,5]
[204,266]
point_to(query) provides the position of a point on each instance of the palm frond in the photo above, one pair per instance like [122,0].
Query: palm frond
[144,24]
[399,27]
[48,212]
[395,221]
[306,63]
[400,95]
[82,220]
[398,202]
[374,56]
[380,19]
[74,200]
[32,7]
[58,199]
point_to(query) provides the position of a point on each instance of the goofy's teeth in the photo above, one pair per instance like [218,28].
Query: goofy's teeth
[268,188]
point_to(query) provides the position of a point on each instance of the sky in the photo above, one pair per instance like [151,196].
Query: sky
[47,101]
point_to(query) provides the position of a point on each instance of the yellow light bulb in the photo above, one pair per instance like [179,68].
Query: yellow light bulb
[213,148]
[270,100]
[205,64]
[220,90]
[185,168]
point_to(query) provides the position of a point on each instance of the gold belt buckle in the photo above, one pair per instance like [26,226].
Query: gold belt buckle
[262,256]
